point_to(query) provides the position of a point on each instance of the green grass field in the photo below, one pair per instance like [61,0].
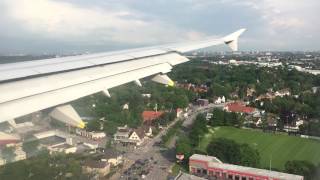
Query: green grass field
[278,146]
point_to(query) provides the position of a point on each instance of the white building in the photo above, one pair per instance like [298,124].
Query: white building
[92,135]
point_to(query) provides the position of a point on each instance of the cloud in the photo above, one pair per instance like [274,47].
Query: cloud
[62,20]
[96,24]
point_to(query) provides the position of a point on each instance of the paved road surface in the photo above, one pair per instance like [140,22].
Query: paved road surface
[164,159]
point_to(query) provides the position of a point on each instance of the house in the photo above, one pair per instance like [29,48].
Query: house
[146,95]
[272,120]
[299,122]
[149,116]
[203,102]
[219,100]
[122,133]
[293,127]
[132,136]
[179,112]
[283,92]
[2,161]
[20,154]
[239,108]
[234,95]
[250,91]
[125,106]
[148,131]
[315,89]
[92,135]
[268,95]
[96,167]
[137,136]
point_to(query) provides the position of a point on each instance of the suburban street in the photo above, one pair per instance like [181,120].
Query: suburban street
[160,160]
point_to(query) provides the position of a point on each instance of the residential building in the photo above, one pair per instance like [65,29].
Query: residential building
[125,106]
[219,100]
[2,161]
[283,92]
[135,137]
[91,134]
[146,95]
[179,112]
[96,167]
[212,167]
[122,133]
[6,138]
[203,102]
[250,91]
[149,116]
[239,107]
[20,154]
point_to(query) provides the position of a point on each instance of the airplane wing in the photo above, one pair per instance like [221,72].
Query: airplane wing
[27,87]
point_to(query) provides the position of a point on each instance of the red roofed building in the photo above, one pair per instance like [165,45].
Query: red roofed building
[8,139]
[149,116]
[239,107]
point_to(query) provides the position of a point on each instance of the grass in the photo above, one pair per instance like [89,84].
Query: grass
[279,147]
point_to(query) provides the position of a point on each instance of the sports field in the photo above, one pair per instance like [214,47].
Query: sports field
[278,147]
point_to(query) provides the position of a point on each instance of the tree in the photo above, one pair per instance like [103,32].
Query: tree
[30,147]
[226,150]
[229,151]
[93,125]
[304,168]
[249,156]
[217,118]
[183,146]
[8,153]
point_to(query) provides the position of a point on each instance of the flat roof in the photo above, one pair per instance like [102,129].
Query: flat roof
[52,140]
[244,169]
[205,158]
[185,176]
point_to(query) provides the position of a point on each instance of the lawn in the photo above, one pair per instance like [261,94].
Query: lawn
[278,147]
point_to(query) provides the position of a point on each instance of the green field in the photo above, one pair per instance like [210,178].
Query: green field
[280,148]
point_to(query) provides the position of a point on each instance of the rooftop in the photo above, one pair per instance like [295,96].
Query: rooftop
[151,115]
[52,140]
[239,107]
[205,158]
[212,162]
[185,176]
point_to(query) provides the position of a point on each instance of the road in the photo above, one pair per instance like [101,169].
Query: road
[162,160]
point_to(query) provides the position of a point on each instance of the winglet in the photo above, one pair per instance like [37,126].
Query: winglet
[232,39]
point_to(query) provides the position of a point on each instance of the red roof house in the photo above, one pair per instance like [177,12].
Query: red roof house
[239,107]
[149,116]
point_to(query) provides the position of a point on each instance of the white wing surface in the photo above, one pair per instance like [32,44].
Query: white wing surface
[30,86]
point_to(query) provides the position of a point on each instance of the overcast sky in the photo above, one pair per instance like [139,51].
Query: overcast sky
[40,26]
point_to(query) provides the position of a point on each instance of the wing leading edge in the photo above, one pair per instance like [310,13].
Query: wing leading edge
[31,86]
